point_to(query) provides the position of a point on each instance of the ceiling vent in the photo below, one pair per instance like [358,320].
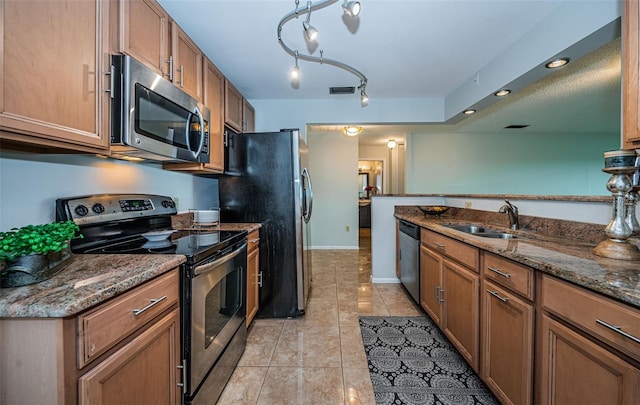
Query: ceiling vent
[342,90]
[515,126]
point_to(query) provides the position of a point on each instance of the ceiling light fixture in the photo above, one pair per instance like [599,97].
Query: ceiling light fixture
[351,8]
[469,111]
[309,30]
[351,130]
[391,143]
[556,63]
[311,33]
[502,93]
[295,72]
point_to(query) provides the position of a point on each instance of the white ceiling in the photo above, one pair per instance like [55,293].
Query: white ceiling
[407,49]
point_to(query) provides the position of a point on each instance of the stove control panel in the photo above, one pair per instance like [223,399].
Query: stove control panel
[113,207]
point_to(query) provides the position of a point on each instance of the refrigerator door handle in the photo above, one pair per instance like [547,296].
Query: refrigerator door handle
[308,201]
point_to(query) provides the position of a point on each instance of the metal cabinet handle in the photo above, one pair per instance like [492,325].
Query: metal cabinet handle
[436,297]
[505,275]
[495,294]
[111,74]
[256,240]
[183,384]
[260,279]
[181,75]
[441,295]
[440,246]
[618,329]
[153,302]
[170,62]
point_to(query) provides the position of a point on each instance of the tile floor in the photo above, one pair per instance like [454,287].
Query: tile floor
[319,358]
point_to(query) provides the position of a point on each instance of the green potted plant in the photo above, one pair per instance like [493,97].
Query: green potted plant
[35,253]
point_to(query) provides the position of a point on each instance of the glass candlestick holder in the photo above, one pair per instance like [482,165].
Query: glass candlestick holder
[618,231]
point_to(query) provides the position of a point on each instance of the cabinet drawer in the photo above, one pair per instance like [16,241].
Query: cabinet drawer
[465,254]
[253,240]
[614,323]
[509,274]
[102,328]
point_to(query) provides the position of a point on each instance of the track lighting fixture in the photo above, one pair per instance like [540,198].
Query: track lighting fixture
[309,30]
[351,9]
[295,72]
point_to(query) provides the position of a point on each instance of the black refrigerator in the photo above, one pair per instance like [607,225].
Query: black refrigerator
[266,180]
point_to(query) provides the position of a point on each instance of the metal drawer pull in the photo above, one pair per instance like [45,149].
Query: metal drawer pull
[439,245]
[495,294]
[256,240]
[505,275]
[153,302]
[618,329]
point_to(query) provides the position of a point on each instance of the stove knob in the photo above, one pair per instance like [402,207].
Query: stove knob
[98,208]
[81,210]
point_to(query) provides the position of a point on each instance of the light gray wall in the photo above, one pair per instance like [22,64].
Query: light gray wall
[30,184]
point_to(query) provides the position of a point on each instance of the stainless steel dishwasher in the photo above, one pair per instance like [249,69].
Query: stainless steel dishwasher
[410,258]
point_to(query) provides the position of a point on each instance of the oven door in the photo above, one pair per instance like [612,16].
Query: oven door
[217,310]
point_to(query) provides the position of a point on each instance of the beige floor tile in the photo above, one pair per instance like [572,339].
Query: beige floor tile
[308,346]
[319,312]
[261,343]
[358,389]
[244,386]
[297,386]
[352,347]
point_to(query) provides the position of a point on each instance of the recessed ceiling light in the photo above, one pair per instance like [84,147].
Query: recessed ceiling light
[469,111]
[556,63]
[502,93]
[352,130]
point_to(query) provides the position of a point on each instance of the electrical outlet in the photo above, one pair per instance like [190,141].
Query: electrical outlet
[467,204]
[346,228]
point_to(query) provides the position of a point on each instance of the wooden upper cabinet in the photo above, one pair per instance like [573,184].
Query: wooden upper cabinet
[233,107]
[144,34]
[54,57]
[187,62]
[248,117]
[631,74]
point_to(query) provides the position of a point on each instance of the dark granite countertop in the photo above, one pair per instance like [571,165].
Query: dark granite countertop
[88,281]
[570,259]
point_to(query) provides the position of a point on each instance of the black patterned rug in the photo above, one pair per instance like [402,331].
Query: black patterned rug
[412,362]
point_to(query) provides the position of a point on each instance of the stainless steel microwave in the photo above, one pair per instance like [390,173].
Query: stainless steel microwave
[152,118]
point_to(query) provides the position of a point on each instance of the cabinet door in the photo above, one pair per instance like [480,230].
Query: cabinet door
[252,284]
[142,372]
[248,117]
[460,315]
[431,283]
[214,100]
[144,34]
[187,62]
[575,370]
[233,106]
[631,72]
[54,55]
[507,344]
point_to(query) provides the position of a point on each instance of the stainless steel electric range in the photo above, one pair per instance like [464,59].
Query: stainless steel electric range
[213,279]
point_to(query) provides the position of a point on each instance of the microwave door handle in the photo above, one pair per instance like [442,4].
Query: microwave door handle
[201,145]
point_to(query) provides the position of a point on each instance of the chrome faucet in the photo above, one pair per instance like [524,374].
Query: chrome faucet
[512,211]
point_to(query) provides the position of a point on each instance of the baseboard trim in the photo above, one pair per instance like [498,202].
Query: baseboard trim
[378,280]
[335,248]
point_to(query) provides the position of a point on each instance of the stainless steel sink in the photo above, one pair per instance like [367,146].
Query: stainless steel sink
[480,231]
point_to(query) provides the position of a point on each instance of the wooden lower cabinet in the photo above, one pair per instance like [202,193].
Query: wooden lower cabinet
[253,275]
[576,370]
[507,323]
[141,372]
[449,294]
[461,303]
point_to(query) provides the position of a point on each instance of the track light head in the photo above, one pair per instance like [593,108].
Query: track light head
[310,31]
[364,99]
[351,8]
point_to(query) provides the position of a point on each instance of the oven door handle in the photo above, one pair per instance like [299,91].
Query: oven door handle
[210,266]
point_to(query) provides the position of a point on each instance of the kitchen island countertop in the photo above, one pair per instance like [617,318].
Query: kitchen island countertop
[568,259]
